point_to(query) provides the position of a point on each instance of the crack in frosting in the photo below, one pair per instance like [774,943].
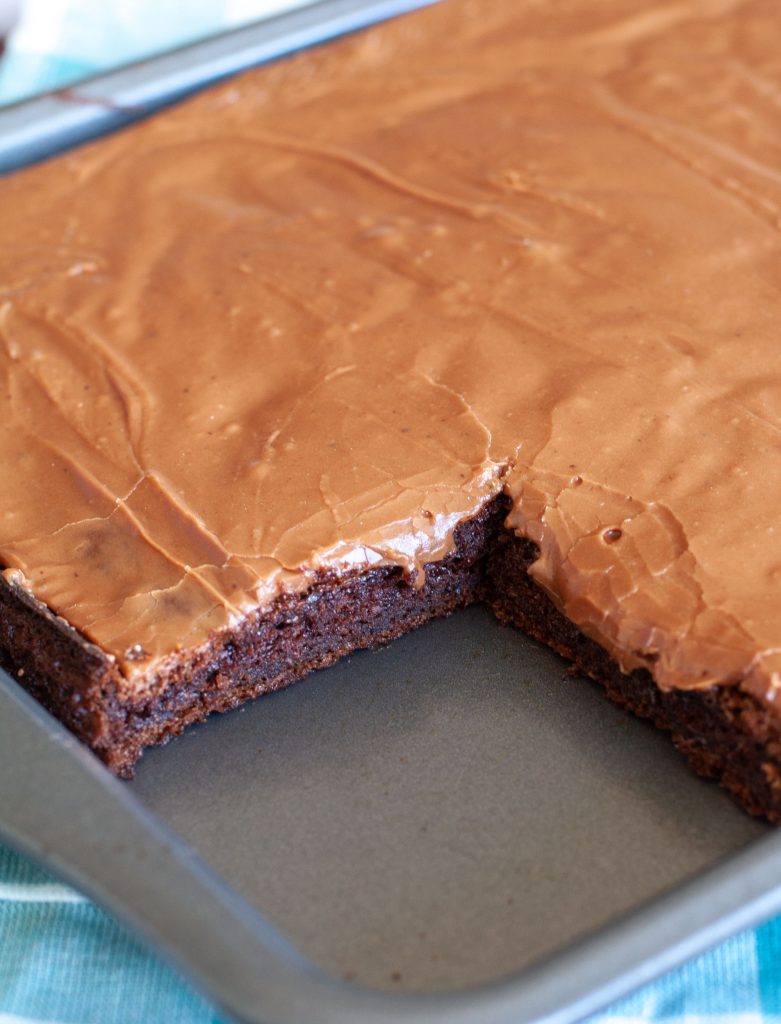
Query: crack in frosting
[315,318]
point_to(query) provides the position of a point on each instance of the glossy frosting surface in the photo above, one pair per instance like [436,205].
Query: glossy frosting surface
[317,316]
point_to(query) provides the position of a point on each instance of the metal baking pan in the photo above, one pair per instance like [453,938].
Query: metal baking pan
[452,829]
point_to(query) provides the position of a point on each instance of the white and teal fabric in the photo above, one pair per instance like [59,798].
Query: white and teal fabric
[57,42]
[62,959]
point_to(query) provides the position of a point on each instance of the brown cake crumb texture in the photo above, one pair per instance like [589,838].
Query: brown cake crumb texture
[726,734]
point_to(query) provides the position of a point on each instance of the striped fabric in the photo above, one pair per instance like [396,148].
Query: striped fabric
[62,959]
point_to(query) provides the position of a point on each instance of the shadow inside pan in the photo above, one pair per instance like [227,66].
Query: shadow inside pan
[441,812]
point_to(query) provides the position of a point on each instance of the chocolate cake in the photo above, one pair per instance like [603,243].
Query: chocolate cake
[390,327]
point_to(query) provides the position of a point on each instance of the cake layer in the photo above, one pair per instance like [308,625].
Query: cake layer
[267,650]
[726,734]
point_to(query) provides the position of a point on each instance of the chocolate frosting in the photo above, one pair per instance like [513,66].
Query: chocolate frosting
[314,318]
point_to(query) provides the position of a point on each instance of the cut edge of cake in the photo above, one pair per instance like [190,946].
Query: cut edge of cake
[724,732]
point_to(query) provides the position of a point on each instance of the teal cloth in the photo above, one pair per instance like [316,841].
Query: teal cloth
[61,958]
